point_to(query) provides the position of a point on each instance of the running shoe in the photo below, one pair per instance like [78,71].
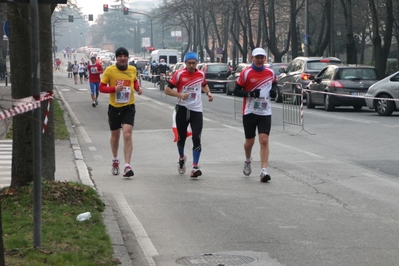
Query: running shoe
[247,168]
[128,172]
[196,172]
[181,168]
[115,166]
[96,102]
[264,177]
[93,104]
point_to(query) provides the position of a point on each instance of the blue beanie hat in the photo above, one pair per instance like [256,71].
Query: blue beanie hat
[190,55]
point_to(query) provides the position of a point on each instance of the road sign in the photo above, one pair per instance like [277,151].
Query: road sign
[145,42]
[305,40]
[6,28]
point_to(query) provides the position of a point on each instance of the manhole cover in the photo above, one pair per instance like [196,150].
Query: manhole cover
[215,260]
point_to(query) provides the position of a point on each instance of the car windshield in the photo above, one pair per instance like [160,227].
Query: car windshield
[357,73]
[217,68]
[317,65]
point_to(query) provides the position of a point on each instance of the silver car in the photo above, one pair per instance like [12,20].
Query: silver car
[383,95]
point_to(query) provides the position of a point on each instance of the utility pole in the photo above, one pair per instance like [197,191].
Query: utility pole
[36,128]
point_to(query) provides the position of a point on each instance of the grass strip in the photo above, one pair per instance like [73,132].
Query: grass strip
[65,241]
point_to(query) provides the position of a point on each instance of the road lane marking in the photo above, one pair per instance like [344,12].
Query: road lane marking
[142,237]
[299,150]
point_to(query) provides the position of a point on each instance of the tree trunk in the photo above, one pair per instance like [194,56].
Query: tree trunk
[20,64]
[351,52]
[46,77]
[294,36]
[381,51]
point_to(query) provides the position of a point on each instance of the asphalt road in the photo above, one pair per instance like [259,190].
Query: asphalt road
[332,199]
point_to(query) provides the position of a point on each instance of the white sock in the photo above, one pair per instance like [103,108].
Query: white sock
[264,170]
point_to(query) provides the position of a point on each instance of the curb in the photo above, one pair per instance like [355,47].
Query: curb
[120,253]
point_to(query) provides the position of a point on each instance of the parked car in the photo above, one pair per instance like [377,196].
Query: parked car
[347,80]
[234,76]
[299,71]
[385,88]
[140,64]
[216,75]
[276,67]
[177,66]
[106,61]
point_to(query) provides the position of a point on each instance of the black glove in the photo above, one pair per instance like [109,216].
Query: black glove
[254,93]
[273,92]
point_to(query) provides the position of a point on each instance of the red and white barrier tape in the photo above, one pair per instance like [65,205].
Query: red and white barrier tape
[28,104]
[350,96]
[46,116]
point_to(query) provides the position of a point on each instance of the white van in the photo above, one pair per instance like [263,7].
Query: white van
[171,57]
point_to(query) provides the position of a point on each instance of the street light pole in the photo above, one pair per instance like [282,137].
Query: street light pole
[134,12]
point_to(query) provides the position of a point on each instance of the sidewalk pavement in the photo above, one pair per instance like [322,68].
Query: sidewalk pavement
[65,161]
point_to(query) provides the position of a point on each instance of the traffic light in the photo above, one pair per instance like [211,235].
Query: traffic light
[70,18]
[105,7]
[126,11]
[90,17]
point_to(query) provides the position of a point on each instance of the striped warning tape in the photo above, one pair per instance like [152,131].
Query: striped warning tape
[28,104]
[351,96]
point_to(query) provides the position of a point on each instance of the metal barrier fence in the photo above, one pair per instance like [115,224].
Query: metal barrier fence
[238,106]
[293,107]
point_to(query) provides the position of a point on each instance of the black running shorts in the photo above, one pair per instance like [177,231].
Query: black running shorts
[117,116]
[252,121]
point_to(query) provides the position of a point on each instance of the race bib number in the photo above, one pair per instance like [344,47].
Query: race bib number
[123,96]
[260,104]
[94,70]
[191,91]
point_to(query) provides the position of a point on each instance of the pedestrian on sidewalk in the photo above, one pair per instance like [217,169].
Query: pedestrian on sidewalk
[188,83]
[95,70]
[120,81]
[257,84]
[75,70]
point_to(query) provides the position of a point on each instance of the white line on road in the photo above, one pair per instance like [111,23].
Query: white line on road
[75,120]
[299,150]
[141,235]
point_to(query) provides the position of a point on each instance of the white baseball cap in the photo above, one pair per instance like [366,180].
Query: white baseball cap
[258,51]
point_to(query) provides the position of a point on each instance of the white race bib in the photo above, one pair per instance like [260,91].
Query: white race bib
[192,93]
[123,96]
[260,104]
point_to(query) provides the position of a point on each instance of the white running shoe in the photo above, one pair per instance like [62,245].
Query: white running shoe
[128,172]
[264,177]
[196,172]
[247,168]
[115,167]
[181,168]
